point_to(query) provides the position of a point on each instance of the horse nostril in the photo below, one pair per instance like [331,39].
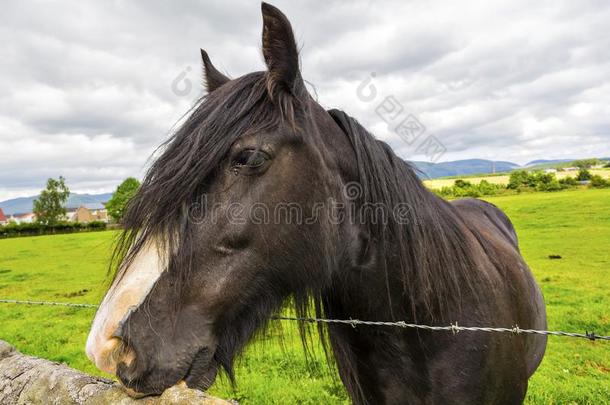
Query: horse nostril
[107,355]
[128,356]
[112,353]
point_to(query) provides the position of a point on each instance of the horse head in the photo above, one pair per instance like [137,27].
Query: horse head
[230,222]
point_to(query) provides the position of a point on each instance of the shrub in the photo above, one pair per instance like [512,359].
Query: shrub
[462,188]
[552,185]
[444,191]
[599,182]
[568,182]
[540,181]
[487,188]
[545,182]
[518,179]
[462,183]
[583,175]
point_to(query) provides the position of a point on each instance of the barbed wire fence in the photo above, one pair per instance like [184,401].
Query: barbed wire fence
[454,327]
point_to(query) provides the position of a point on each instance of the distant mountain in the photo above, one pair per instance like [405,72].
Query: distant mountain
[26,204]
[463,167]
[554,164]
[547,161]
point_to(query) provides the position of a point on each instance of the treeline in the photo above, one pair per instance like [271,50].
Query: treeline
[523,181]
[34,229]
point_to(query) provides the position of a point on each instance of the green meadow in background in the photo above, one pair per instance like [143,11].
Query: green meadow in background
[572,224]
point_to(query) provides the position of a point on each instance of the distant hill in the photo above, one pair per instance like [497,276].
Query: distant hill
[26,204]
[554,164]
[481,166]
[547,161]
[463,167]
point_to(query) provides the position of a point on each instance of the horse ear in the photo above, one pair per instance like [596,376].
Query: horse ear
[213,79]
[280,50]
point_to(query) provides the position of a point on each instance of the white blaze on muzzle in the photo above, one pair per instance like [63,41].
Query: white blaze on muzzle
[125,295]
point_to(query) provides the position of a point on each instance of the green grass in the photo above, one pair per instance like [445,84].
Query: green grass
[573,224]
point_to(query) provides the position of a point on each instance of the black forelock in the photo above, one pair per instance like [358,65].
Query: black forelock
[188,159]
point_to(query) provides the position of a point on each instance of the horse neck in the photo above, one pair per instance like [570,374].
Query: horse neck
[372,290]
[376,287]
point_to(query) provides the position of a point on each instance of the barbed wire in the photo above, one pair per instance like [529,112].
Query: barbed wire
[58,304]
[454,328]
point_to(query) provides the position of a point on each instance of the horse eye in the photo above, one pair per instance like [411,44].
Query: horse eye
[251,158]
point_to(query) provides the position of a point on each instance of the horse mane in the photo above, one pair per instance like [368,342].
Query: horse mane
[431,241]
[186,164]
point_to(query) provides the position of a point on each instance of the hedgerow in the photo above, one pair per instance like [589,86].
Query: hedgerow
[35,228]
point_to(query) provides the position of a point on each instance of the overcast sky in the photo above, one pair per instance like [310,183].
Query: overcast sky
[89,89]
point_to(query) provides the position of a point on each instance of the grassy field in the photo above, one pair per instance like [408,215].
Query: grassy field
[502,178]
[573,224]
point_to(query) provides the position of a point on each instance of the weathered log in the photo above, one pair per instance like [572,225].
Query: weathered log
[30,380]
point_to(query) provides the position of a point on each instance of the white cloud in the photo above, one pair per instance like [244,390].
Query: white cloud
[86,88]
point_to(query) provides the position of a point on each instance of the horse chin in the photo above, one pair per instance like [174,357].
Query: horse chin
[200,375]
[203,370]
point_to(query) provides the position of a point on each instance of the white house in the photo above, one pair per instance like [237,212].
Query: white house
[23,218]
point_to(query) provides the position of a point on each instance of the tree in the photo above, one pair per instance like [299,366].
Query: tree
[50,206]
[124,192]
[585,163]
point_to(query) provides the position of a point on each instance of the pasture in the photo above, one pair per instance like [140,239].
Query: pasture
[573,224]
[502,178]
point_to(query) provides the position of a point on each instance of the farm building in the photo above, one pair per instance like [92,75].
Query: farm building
[83,214]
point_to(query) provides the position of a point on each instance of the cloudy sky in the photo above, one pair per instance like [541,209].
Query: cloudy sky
[89,89]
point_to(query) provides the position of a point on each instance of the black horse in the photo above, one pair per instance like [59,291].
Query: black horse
[263,197]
